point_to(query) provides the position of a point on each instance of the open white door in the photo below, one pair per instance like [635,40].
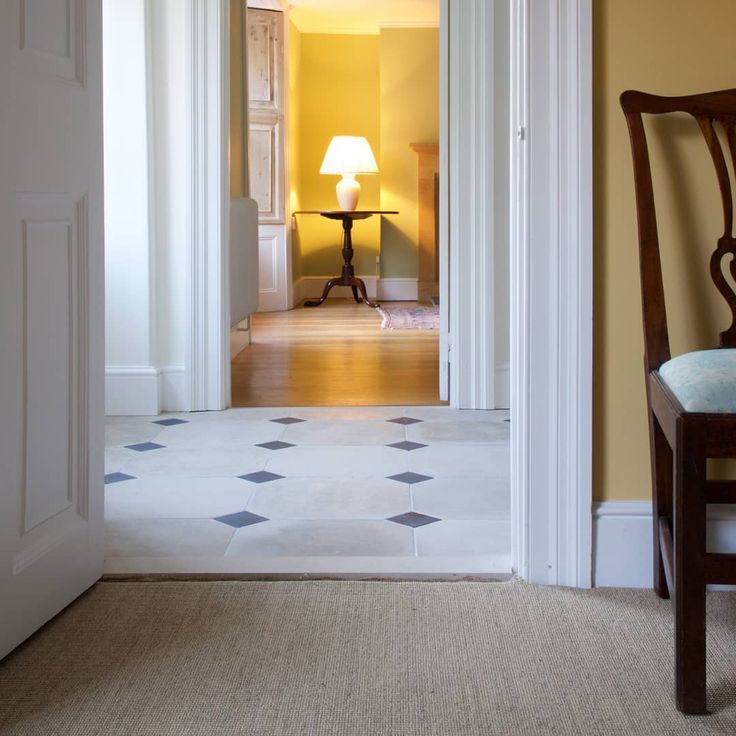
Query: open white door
[51,309]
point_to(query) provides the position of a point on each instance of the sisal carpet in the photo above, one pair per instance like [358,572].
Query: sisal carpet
[363,658]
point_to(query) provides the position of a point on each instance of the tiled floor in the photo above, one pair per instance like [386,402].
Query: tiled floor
[310,490]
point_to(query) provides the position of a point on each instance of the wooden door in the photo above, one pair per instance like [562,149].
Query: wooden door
[51,309]
[266,89]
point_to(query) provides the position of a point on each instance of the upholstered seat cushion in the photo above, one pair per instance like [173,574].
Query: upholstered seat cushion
[704,381]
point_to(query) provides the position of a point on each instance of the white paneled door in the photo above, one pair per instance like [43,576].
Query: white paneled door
[51,309]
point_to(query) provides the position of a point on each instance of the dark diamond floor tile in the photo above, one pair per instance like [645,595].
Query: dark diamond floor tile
[405,420]
[275,445]
[117,478]
[145,446]
[170,422]
[262,476]
[410,477]
[240,519]
[288,420]
[406,445]
[413,519]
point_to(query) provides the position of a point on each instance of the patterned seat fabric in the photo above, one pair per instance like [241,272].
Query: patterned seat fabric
[703,381]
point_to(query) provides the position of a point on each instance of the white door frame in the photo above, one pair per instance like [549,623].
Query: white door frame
[551,265]
[207,362]
[551,291]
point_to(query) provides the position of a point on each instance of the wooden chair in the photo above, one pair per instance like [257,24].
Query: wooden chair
[691,398]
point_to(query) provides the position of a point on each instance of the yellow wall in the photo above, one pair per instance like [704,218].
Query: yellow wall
[338,95]
[409,114]
[669,47]
[293,141]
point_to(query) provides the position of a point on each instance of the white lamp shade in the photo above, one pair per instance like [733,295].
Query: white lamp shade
[349,154]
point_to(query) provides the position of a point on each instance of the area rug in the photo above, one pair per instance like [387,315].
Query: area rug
[410,318]
[321,658]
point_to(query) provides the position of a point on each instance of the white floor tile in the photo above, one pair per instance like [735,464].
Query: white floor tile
[166,537]
[180,498]
[130,432]
[330,498]
[309,538]
[225,435]
[346,462]
[375,432]
[466,432]
[463,498]
[461,538]
[462,461]
[446,414]
[176,463]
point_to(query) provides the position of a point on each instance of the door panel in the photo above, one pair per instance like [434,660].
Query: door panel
[273,289]
[265,164]
[51,517]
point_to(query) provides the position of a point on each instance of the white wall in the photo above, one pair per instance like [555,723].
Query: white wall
[172,162]
[131,376]
[146,214]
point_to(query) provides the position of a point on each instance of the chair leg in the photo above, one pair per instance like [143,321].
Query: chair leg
[689,564]
[661,497]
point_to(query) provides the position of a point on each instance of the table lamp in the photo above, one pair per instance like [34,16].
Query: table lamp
[348,156]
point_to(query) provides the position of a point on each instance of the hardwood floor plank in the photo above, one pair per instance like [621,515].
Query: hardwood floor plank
[335,355]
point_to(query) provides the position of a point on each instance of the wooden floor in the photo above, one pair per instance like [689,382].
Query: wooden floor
[335,355]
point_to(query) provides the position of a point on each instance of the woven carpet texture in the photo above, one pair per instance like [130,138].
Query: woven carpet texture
[321,658]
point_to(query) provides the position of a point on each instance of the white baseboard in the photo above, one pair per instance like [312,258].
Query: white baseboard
[502,386]
[144,390]
[131,391]
[622,541]
[173,388]
[398,290]
[239,337]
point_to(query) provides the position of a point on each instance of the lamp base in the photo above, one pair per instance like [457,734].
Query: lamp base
[348,192]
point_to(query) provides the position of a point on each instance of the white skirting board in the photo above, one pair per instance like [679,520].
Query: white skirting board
[172,387]
[502,386]
[390,290]
[144,390]
[622,541]
[239,337]
[131,391]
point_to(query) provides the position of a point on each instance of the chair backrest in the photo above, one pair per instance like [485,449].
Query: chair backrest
[708,110]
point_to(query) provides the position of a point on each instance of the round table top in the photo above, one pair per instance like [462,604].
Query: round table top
[346,214]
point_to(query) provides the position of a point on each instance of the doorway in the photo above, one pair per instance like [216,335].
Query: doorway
[315,73]
[375,481]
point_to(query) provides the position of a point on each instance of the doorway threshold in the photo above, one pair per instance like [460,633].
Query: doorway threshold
[484,567]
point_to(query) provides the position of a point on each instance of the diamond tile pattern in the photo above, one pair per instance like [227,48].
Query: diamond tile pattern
[262,476]
[241,519]
[406,445]
[405,420]
[275,445]
[145,446]
[330,495]
[410,477]
[288,420]
[117,478]
[413,519]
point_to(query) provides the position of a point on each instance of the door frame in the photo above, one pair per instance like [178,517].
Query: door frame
[551,291]
[207,358]
[550,275]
